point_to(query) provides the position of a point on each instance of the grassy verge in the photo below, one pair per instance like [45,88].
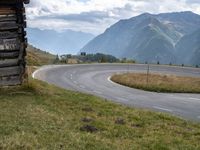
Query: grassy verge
[159,83]
[40,116]
[37,57]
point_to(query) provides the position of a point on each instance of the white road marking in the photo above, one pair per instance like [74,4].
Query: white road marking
[160,108]
[197,99]
[34,73]
[109,79]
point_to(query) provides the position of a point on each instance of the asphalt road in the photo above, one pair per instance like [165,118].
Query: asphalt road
[94,79]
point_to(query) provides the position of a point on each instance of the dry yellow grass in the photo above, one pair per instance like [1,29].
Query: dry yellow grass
[159,83]
[36,57]
[72,61]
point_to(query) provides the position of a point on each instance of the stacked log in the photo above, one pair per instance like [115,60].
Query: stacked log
[13,42]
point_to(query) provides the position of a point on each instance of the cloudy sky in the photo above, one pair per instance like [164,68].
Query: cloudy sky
[94,16]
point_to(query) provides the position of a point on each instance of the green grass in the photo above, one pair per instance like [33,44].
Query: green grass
[159,83]
[41,116]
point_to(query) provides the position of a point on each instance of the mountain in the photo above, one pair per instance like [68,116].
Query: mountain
[195,59]
[146,37]
[64,42]
[183,22]
[188,49]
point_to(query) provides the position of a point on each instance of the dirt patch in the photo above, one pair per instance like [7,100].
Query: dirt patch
[86,119]
[120,121]
[136,125]
[89,128]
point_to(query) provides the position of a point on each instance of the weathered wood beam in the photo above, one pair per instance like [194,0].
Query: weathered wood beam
[9,55]
[4,18]
[10,71]
[11,11]
[9,63]
[12,25]
[9,44]
[25,43]
[8,35]
[10,80]
[7,11]
[22,52]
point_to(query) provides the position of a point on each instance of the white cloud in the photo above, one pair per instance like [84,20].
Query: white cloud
[94,16]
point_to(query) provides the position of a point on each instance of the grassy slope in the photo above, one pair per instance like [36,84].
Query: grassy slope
[159,83]
[36,57]
[40,116]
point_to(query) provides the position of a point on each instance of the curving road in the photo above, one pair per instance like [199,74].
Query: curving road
[94,79]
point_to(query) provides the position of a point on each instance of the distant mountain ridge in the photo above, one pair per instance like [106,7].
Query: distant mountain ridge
[152,38]
[64,42]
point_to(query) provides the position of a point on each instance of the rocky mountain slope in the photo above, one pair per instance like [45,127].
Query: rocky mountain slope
[151,38]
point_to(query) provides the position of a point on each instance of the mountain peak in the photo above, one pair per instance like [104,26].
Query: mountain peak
[146,37]
[145,14]
[142,16]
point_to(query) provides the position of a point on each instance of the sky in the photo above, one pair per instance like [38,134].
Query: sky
[94,16]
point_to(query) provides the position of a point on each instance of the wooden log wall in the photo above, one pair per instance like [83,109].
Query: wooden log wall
[13,42]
